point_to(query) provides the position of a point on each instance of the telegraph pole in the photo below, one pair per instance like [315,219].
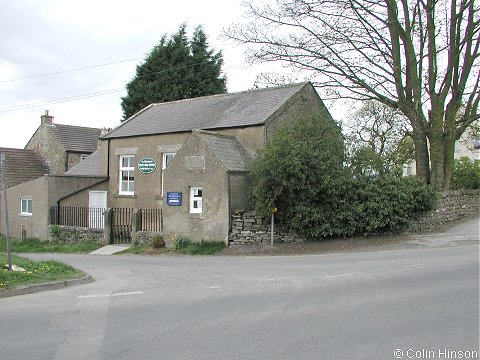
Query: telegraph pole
[3,163]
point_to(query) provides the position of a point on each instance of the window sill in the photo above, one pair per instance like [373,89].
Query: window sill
[25,215]
[125,196]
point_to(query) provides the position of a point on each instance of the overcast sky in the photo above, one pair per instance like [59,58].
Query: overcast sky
[74,58]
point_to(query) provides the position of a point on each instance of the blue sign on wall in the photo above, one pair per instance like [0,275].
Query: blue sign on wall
[174,198]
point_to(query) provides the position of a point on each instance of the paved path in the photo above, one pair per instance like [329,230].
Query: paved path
[464,233]
[110,249]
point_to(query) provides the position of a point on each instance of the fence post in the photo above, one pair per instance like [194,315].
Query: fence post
[107,231]
[136,222]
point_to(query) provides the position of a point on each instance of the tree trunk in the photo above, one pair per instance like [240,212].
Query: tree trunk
[437,162]
[422,162]
[448,155]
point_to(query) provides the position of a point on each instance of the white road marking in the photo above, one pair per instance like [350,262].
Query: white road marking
[93,296]
[413,265]
[128,293]
[215,287]
[335,276]
[109,295]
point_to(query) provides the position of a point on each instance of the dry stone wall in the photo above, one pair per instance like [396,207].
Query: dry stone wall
[451,206]
[75,235]
[248,229]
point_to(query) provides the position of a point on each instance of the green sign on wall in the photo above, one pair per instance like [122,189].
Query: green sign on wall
[147,165]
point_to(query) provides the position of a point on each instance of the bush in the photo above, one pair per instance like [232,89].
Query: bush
[466,174]
[301,172]
[157,241]
[362,206]
[298,164]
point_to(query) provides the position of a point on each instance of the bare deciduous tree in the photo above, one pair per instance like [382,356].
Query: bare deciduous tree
[378,140]
[418,56]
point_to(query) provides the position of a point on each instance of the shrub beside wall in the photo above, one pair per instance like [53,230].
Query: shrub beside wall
[466,174]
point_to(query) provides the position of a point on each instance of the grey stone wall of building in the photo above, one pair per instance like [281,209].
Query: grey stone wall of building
[44,192]
[22,225]
[44,143]
[239,191]
[73,159]
[148,187]
[81,198]
[213,223]
[304,103]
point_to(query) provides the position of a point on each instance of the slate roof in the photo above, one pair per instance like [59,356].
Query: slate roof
[227,149]
[22,166]
[239,109]
[77,138]
[87,167]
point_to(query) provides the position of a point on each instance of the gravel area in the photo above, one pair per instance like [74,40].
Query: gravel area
[465,229]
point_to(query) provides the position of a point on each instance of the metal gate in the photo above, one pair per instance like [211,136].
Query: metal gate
[122,225]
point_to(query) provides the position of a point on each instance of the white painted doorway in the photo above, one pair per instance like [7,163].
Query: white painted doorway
[97,203]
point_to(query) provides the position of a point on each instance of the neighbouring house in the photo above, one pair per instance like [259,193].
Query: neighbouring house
[29,203]
[469,143]
[35,175]
[22,166]
[63,146]
[158,160]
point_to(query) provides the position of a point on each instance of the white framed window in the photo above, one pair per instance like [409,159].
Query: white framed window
[166,158]
[127,175]
[196,200]
[26,206]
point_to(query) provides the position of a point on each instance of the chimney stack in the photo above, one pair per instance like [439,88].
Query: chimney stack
[46,119]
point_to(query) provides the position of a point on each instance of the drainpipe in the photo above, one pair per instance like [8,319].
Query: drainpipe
[66,161]
[229,204]
[108,159]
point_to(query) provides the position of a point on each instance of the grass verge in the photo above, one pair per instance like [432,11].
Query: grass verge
[181,246]
[187,247]
[36,272]
[39,246]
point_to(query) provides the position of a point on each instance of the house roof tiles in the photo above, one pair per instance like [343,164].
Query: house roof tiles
[88,167]
[227,149]
[77,138]
[239,109]
[22,165]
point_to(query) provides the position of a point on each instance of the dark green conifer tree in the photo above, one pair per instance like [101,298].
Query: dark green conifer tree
[175,69]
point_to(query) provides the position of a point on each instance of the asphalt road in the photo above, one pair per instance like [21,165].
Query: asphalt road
[420,303]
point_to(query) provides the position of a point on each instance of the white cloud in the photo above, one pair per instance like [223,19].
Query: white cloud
[56,36]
